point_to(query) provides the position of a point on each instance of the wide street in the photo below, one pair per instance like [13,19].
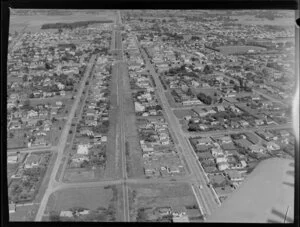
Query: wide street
[62,142]
[207,197]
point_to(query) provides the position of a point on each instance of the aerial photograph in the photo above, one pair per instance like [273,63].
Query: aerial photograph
[151,115]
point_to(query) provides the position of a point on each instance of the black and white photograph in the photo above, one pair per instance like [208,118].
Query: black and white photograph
[143,115]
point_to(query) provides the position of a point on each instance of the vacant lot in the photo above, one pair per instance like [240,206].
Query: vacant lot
[159,195]
[90,198]
[24,213]
[79,175]
[182,113]
[93,198]
[16,139]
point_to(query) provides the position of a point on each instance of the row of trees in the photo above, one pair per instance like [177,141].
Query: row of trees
[72,25]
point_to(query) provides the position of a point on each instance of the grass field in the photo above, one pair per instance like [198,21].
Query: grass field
[79,175]
[24,213]
[160,195]
[107,197]
[90,198]
[18,140]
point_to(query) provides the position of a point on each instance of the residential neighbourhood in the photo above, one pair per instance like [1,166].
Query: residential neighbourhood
[146,115]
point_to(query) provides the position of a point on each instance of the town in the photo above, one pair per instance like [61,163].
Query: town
[144,115]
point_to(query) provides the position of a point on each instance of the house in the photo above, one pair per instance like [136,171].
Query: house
[216,152]
[83,149]
[32,114]
[284,133]
[181,219]
[66,213]
[223,165]
[221,158]
[38,142]
[234,175]
[58,103]
[272,146]
[32,161]
[104,139]
[163,211]
[178,211]
[79,158]
[173,169]
[15,125]
[12,207]
[259,122]
[12,159]
[139,107]
[255,148]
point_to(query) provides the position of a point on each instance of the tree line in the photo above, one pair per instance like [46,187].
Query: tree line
[72,25]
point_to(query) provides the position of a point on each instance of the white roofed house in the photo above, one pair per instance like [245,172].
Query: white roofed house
[255,148]
[272,146]
[83,149]
[139,107]
[32,161]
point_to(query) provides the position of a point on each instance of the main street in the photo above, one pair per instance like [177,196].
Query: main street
[62,142]
[207,197]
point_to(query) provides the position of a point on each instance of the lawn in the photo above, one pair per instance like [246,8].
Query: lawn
[182,113]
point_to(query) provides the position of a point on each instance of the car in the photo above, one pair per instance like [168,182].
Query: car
[201,187]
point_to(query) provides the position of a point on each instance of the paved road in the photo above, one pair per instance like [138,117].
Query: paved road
[120,67]
[207,198]
[102,183]
[29,150]
[62,143]
[243,130]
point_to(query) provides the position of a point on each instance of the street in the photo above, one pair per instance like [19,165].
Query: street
[62,142]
